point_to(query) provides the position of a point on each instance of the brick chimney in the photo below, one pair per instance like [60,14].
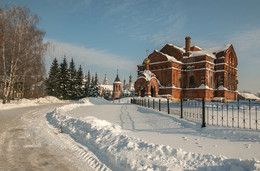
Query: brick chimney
[187,44]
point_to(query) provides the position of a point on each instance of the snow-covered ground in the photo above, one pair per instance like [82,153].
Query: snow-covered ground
[124,136]
[26,102]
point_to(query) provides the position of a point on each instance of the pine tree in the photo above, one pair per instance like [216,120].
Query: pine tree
[79,83]
[94,88]
[63,80]
[52,81]
[87,85]
[72,73]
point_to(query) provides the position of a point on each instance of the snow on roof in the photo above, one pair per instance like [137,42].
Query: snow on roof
[148,75]
[181,49]
[249,96]
[222,88]
[203,86]
[218,49]
[210,51]
[107,87]
[169,58]
[198,47]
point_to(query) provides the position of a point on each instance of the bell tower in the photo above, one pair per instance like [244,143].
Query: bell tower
[117,87]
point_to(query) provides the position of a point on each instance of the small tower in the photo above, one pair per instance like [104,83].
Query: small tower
[117,87]
[124,85]
[131,84]
[105,82]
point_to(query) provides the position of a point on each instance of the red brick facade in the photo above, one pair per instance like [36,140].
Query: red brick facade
[190,73]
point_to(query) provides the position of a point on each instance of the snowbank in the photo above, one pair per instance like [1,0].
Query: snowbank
[122,152]
[27,102]
[97,101]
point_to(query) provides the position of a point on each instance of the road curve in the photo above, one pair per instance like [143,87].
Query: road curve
[28,143]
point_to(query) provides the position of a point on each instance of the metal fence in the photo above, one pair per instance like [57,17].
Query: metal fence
[239,114]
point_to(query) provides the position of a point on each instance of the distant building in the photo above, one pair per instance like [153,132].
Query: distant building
[105,82]
[128,89]
[117,90]
[189,72]
[106,89]
[247,96]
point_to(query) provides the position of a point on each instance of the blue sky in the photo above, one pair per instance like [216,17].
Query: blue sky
[106,35]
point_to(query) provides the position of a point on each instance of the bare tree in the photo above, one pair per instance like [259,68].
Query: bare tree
[22,49]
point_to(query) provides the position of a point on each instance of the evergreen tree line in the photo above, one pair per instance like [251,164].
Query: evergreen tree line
[67,83]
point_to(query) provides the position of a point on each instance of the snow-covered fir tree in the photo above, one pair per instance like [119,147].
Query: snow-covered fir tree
[67,83]
[87,85]
[79,91]
[63,80]
[72,82]
[52,81]
[95,87]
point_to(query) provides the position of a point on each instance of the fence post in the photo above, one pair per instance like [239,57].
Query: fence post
[244,117]
[142,102]
[227,114]
[159,104]
[249,114]
[168,105]
[153,103]
[256,118]
[181,108]
[238,108]
[203,113]
[148,103]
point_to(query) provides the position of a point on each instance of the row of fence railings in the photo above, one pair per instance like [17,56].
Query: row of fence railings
[236,114]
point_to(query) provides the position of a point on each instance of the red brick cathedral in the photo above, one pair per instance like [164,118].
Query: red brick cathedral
[189,72]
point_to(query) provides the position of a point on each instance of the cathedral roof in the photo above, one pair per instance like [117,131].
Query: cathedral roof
[195,51]
[210,51]
[169,58]
[117,79]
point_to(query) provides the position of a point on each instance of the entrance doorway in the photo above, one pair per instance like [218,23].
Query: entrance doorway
[142,92]
[153,91]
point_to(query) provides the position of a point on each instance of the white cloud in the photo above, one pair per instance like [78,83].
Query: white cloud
[90,57]
[247,41]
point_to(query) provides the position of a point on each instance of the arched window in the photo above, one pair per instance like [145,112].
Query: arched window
[191,83]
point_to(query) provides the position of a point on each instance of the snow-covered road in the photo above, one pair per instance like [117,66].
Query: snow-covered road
[28,143]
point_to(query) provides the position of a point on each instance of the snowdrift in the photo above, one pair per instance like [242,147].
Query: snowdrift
[94,101]
[121,152]
[29,102]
